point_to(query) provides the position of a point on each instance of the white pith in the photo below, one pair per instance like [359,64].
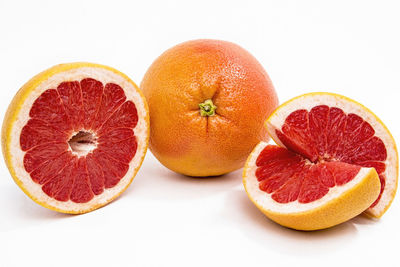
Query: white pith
[309,101]
[263,199]
[141,132]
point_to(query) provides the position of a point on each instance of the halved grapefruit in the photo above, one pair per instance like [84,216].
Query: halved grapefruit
[334,160]
[75,135]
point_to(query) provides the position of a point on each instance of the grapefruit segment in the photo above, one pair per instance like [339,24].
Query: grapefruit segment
[125,117]
[92,91]
[60,185]
[48,107]
[123,150]
[318,120]
[51,167]
[115,135]
[96,175]
[36,132]
[71,98]
[81,191]
[113,169]
[39,154]
[113,96]
[334,129]
[76,147]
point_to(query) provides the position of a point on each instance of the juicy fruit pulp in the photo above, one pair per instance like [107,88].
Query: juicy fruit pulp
[334,145]
[79,139]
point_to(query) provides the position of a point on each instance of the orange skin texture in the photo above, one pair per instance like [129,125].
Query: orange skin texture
[187,75]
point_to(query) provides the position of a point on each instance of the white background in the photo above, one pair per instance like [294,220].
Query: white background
[165,219]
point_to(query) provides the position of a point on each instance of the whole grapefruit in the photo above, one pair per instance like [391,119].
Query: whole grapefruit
[208,102]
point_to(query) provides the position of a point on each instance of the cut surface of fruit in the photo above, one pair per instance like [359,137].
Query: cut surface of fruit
[325,127]
[289,177]
[299,194]
[75,135]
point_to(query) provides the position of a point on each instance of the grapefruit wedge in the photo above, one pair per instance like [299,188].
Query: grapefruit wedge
[75,135]
[334,160]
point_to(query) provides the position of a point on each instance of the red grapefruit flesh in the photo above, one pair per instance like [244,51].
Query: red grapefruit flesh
[342,142]
[59,113]
[289,177]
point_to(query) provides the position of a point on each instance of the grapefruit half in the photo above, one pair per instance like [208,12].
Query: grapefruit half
[75,135]
[334,160]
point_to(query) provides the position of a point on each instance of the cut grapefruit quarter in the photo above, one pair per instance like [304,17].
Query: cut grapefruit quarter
[75,135]
[291,191]
[334,160]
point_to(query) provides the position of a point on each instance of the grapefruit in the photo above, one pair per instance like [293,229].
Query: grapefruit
[208,101]
[334,160]
[75,135]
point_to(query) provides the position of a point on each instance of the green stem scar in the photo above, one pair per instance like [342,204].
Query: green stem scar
[207,108]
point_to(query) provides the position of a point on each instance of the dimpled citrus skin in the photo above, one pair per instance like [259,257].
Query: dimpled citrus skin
[184,77]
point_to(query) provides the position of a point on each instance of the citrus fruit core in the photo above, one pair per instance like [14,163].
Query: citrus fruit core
[335,145]
[79,139]
[82,143]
